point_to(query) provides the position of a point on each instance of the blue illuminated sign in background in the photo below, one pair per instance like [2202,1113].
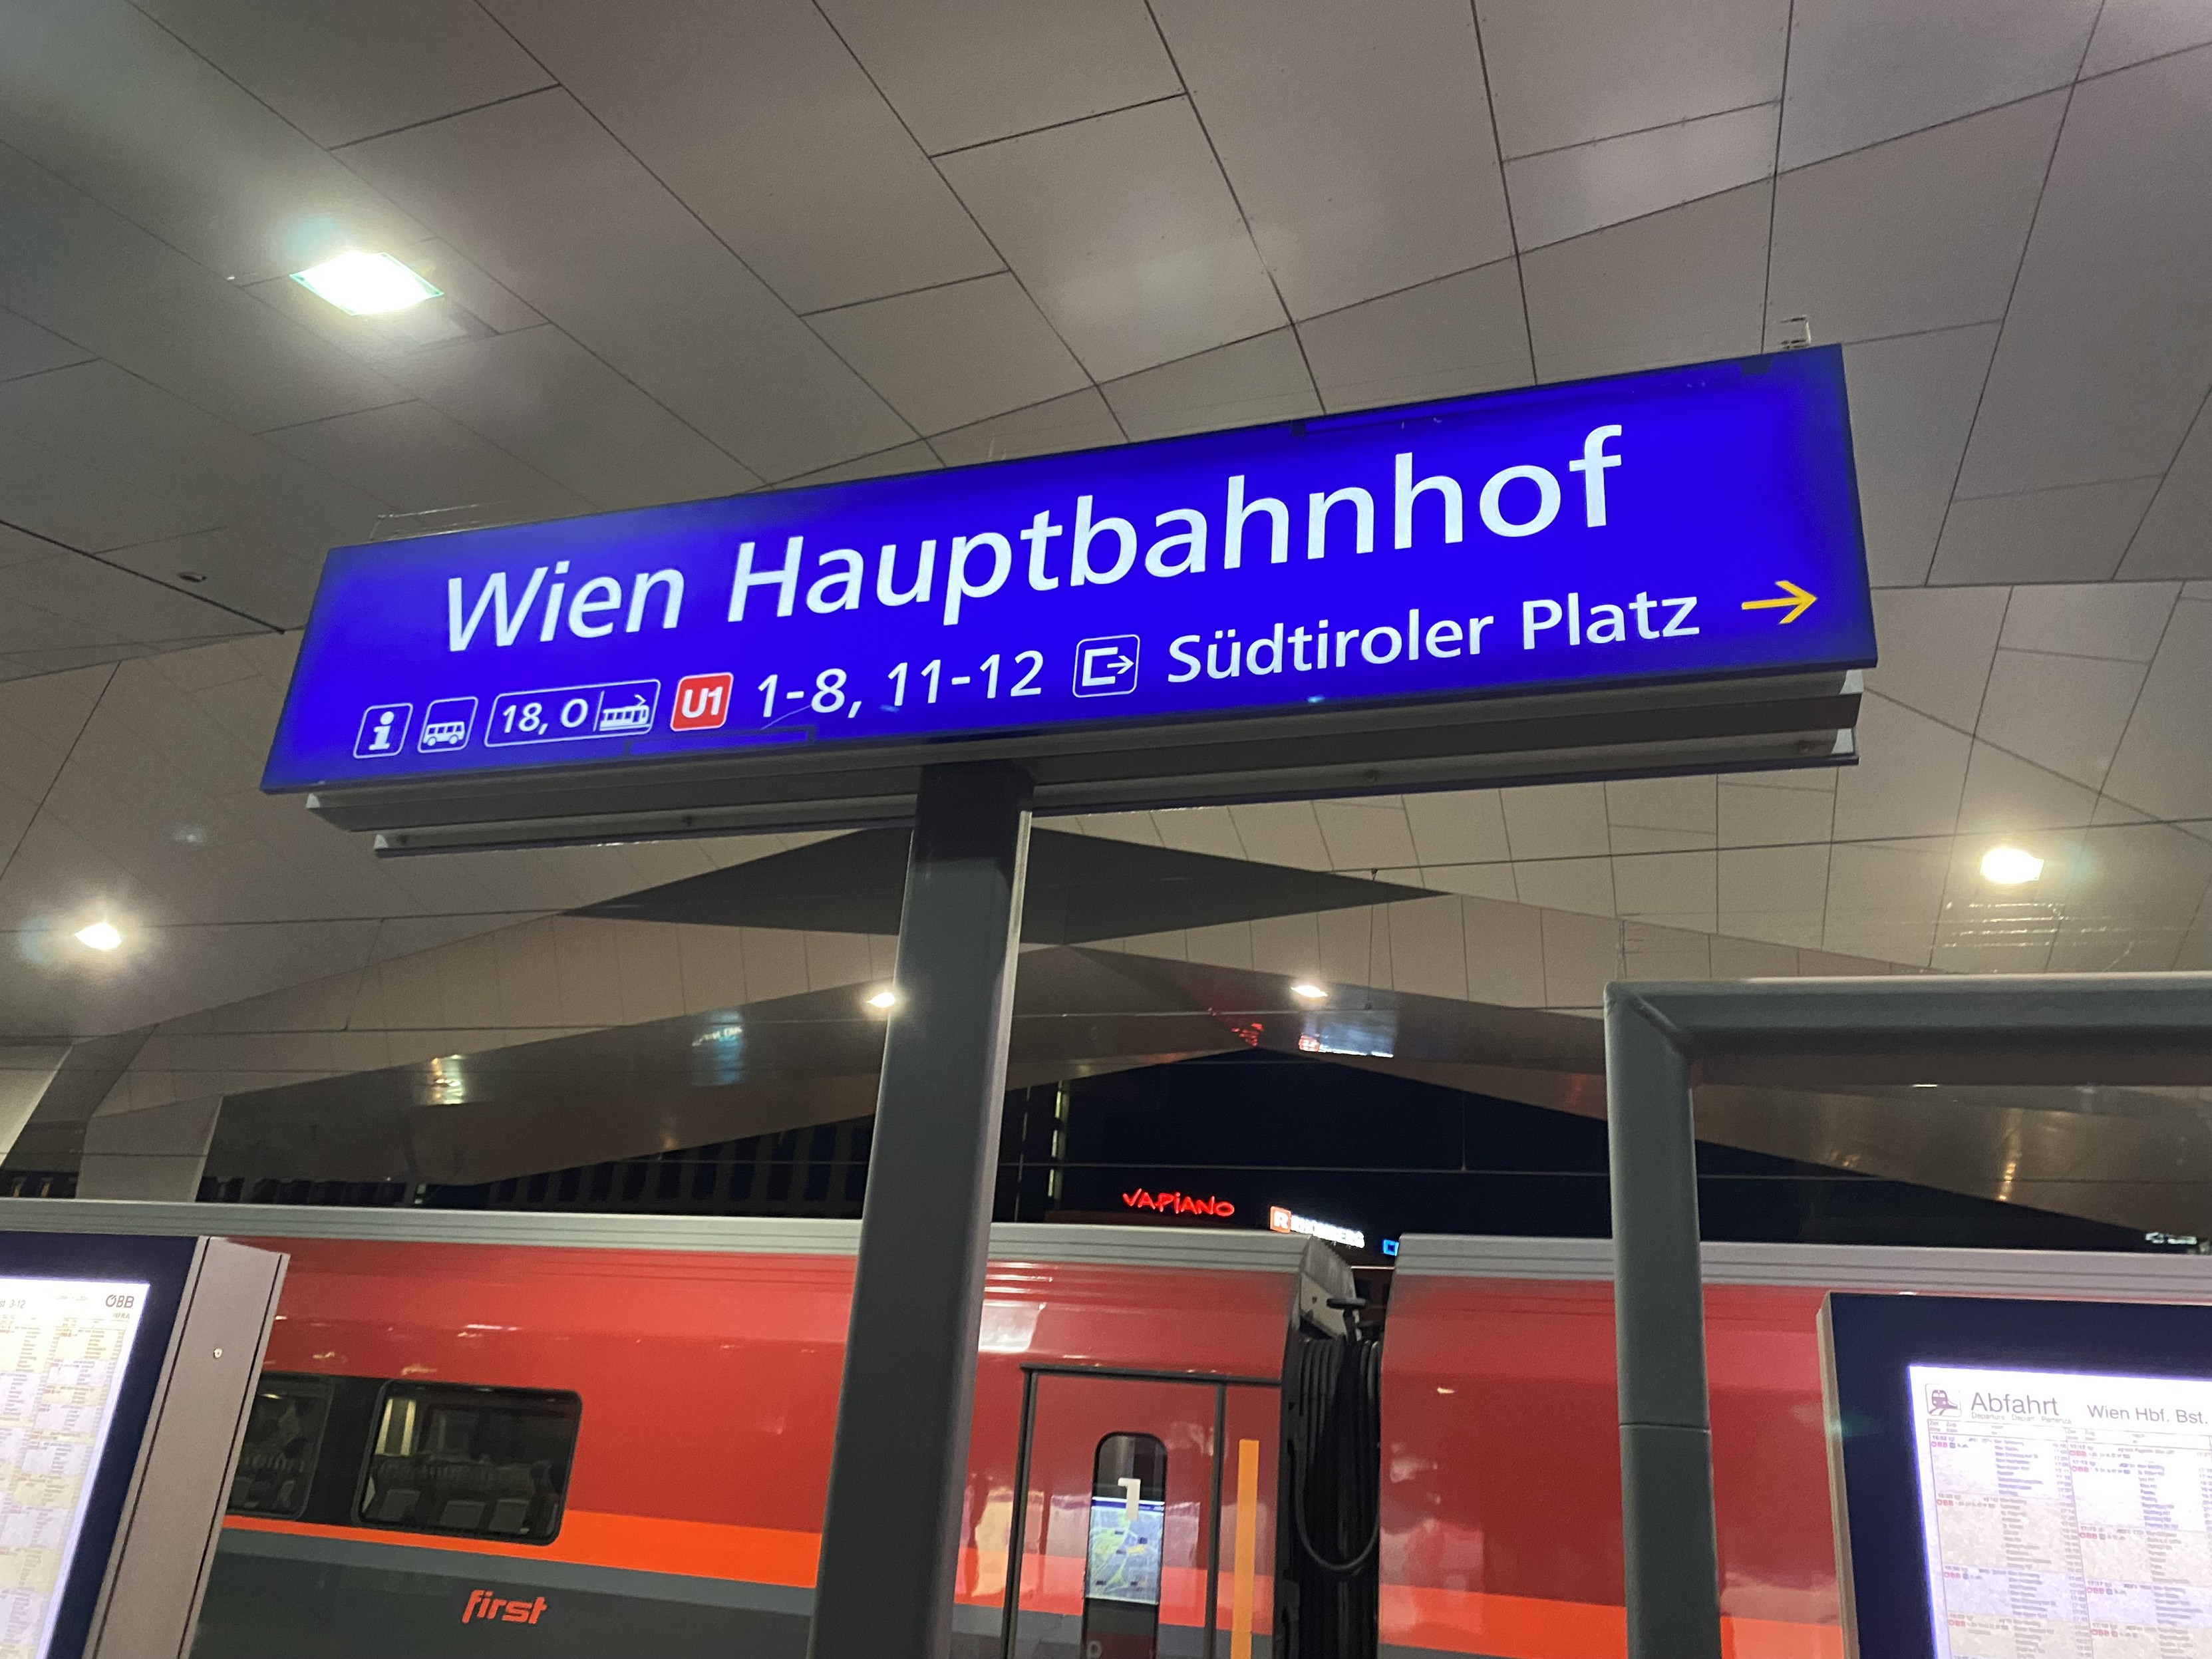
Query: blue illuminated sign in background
[1682,523]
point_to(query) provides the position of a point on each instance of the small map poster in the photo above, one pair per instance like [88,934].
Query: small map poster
[1125,1551]
[2065,1513]
[62,1345]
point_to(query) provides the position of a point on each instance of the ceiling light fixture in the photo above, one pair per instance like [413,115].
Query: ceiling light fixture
[1309,990]
[886,999]
[2009,866]
[366,284]
[100,936]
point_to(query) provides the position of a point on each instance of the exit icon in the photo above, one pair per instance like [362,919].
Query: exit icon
[703,702]
[1106,667]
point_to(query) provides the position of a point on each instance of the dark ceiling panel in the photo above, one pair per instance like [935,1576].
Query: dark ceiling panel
[1081,888]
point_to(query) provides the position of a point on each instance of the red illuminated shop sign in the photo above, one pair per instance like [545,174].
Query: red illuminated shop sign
[1178,1204]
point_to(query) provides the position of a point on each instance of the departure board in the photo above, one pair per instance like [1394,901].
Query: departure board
[2065,1512]
[64,1343]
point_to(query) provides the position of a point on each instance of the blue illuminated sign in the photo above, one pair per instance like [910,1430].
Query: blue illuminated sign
[1683,524]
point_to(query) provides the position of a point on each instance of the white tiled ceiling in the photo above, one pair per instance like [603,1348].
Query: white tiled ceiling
[1567,71]
[1123,230]
[689,250]
[1865,71]
[1363,157]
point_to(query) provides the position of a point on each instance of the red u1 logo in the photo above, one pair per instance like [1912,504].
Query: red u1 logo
[703,702]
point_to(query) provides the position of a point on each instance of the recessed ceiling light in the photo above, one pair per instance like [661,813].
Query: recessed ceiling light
[885,998]
[1309,990]
[2009,866]
[100,936]
[366,284]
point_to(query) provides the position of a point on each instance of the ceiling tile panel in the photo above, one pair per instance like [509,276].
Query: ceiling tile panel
[1261,379]
[1464,334]
[1584,187]
[1557,820]
[2123,621]
[74,267]
[886,464]
[953,355]
[2173,539]
[1079,421]
[117,104]
[1123,230]
[2064,714]
[240,572]
[83,507]
[537,193]
[1912,406]
[1678,286]
[543,398]
[1454,827]
[770,131]
[419,459]
[1670,889]
[1776,893]
[99,416]
[2165,764]
[963,72]
[1936,648]
[2132,31]
[1884,898]
[2005,793]
[2108,350]
[1361,153]
[2134,901]
[1865,71]
[1907,782]
[340,72]
[1750,815]
[26,349]
[1661,815]
[1922,232]
[2074,534]
[1566,71]
[70,599]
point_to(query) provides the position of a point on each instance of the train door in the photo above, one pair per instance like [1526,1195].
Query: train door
[1148,1530]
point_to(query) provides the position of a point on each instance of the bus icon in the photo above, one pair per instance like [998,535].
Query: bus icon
[446,724]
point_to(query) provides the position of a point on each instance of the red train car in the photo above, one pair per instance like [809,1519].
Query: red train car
[600,1428]
[573,1431]
[1501,1468]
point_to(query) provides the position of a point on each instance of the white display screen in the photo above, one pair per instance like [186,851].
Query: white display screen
[1124,1562]
[64,1343]
[2065,1512]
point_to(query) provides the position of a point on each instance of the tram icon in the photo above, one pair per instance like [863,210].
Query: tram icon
[634,716]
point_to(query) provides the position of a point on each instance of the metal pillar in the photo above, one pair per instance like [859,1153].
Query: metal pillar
[890,1530]
[1670,1557]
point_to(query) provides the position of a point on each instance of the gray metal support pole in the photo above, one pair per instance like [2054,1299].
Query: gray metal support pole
[890,1531]
[1666,1434]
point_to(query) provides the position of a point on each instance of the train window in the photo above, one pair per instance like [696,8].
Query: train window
[1128,1524]
[472,1462]
[284,1439]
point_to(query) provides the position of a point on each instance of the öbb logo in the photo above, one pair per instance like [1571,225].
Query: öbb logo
[483,1605]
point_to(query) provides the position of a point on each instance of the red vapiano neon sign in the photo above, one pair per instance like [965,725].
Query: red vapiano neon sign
[1178,1204]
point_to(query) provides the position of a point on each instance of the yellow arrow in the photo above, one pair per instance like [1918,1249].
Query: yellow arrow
[1797,600]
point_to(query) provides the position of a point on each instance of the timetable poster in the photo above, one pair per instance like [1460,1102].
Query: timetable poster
[2065,1513]
[62,1345]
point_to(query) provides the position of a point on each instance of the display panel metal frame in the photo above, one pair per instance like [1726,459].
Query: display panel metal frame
[1661,1039]
[1867,1342]
[164,1265]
